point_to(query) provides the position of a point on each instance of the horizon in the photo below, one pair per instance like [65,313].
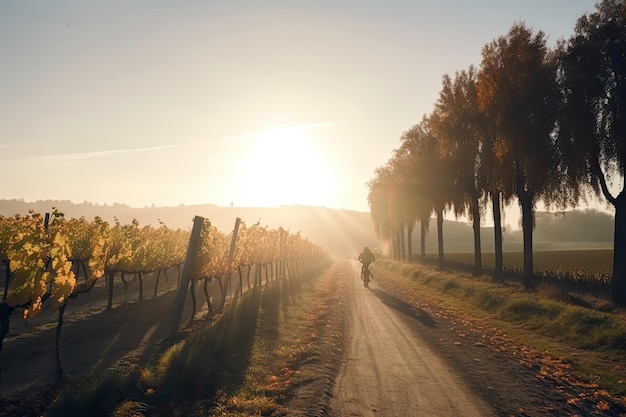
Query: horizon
[485,223]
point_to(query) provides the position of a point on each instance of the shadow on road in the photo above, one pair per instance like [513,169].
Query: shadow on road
[404,308]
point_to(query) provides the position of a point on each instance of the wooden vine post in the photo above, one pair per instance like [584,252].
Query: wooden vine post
[284,282]
[231,254]
[179,302]
[283,237]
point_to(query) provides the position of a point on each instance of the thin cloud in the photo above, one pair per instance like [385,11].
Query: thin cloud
[57,158]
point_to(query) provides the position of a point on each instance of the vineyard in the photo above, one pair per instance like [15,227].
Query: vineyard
[579,271]
[49,262]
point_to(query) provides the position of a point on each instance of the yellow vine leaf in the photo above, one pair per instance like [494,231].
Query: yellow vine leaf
[64,285]
[19,290]
[35,308]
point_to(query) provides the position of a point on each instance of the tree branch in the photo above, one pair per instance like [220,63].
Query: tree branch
[597,171]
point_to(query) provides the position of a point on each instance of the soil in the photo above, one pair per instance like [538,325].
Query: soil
[509,378]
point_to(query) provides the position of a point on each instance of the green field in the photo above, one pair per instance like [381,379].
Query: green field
[581,264]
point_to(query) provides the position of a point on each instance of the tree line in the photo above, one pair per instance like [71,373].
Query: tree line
[533,124]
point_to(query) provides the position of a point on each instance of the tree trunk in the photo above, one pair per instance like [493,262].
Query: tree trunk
[527,231]
[192,292]
[123,278]
[402,244]
[409,232]
[140,277]
[440,237]
[618,283]
[207,297]
[497,231]
[60,372]
[394,245]
[478,263]
[5,315]
[7,278]
[240,280]
[423,241]
[85,272]
[156,284]
[110,278]
[223,295]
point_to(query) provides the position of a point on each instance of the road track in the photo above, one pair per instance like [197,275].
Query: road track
[390,371]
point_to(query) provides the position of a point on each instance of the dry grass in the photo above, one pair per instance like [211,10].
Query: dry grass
[583,333]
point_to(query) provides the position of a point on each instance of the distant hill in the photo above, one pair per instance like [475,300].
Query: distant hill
[343,232]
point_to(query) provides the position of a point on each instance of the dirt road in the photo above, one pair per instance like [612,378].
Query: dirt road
[389,370]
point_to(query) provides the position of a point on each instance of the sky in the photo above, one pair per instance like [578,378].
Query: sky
[258,103]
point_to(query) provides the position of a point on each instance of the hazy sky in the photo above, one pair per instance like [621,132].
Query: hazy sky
[261,103]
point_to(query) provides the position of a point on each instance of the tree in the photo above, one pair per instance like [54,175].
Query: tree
[491,169]
[430,175]
[416,203]
[592,123]
[519,91]
[387,209]
[378,197]
[404,200]
[459,135]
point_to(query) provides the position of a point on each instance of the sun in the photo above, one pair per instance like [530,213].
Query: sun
[285,167]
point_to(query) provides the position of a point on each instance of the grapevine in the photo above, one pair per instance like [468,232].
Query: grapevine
[43,259]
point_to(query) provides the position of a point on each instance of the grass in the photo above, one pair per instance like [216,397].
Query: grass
[243,364]
[97,396]
[592,263]
[588,334]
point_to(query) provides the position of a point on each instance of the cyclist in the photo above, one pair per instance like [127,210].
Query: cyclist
[366,258]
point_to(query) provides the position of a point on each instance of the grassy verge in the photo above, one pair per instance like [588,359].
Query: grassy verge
[588,335]
[248,362]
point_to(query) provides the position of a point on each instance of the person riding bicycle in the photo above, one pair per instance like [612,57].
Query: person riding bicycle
[366,258]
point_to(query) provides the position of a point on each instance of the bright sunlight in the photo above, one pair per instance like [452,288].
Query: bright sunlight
[286,166]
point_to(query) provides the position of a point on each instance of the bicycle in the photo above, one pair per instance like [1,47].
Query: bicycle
[366,275]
